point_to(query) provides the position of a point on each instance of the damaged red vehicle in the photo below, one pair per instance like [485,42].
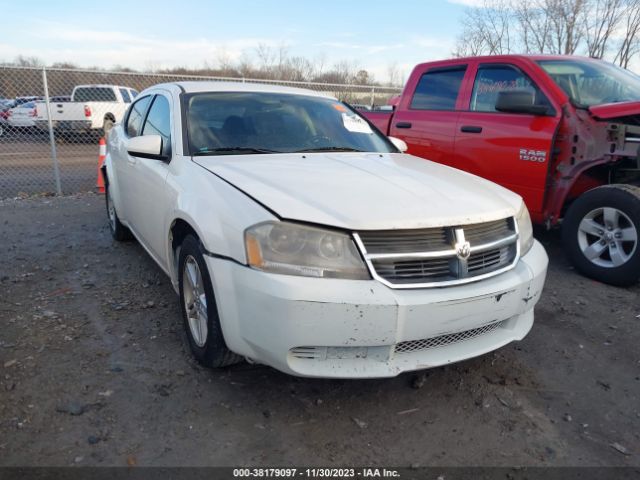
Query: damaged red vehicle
[562,131]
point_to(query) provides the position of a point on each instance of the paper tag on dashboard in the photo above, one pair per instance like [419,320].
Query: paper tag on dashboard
[355,124]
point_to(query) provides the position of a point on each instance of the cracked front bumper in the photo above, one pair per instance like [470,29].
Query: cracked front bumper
[362,329]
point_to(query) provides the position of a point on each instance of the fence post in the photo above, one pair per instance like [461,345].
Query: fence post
[373,96]
[52,138]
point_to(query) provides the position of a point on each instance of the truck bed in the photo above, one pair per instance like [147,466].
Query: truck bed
[379,119]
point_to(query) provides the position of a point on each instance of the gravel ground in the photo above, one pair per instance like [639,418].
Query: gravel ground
[94,370]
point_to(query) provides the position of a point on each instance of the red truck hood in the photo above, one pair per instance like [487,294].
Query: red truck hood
[615,110]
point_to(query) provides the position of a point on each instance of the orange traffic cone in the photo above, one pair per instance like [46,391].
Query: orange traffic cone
[101,156]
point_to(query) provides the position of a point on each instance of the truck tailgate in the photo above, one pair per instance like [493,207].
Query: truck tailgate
[61,111]
[380,119]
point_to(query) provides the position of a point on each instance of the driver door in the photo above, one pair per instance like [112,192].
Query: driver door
[146,189]
[511,149]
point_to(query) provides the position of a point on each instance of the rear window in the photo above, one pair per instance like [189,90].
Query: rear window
[438,89]
[94,94]
[126,98]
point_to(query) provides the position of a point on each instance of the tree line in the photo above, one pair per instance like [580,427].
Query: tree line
[265,62]
[608,29]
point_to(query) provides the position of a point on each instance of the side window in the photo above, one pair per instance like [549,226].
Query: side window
[438,89]
[134,93]
[159,123]
[125,95]
[493,79]
[137,111]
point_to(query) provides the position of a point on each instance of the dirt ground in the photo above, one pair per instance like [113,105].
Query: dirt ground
[94,370]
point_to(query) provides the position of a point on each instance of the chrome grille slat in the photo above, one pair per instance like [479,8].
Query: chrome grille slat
[444,340]
[428,257]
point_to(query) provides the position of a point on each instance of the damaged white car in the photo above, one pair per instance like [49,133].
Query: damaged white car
[299,237]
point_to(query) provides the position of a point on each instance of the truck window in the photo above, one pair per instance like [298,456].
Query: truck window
[136,115]
[438,89]
[126,98]
[94,94]
[493,79]
[159,123]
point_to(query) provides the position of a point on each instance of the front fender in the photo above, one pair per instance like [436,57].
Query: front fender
[111,181]
[217,211]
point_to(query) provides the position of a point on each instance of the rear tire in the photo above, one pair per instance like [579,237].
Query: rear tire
[118,231]
[199,309]
[601,231]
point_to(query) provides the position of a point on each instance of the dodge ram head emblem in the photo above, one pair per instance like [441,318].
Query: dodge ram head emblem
[462,246]
[463,250]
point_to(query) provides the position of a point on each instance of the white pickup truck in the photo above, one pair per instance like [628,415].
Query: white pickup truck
[93,108]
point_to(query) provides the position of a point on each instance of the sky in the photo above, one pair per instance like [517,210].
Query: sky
[152,34]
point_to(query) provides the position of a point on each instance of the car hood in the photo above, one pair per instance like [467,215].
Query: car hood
[615,110]
[364,191]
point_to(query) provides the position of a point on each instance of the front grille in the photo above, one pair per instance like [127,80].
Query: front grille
[437,256]
[443,340]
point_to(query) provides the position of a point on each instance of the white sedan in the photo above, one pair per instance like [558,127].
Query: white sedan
[298,236]
[23,116]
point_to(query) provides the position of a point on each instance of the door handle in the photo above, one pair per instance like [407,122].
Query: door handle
[470,129]
[403,125]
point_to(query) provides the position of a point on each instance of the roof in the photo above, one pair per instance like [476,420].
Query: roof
[532,57]
[209,86]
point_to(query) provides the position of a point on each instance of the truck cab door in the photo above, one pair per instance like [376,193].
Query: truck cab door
[511,149]
[427,120]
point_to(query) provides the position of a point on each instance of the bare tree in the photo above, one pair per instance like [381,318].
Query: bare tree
[566,31]
[630,44]
[600,20]
[392,74]
[534,26]
[266,56]
[487,29]
[24,61]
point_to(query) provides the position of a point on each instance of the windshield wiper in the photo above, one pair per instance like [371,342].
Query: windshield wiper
[329,149]
[230,150]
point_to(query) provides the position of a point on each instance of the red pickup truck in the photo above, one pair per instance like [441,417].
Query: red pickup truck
[561,131]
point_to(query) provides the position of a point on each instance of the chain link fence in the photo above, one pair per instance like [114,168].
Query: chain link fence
[49,139]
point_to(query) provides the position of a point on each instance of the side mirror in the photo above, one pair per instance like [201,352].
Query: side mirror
[146,146]
[519,101]
[399,144]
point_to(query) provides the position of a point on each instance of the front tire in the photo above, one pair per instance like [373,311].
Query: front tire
[600,234]
[199,309]
[118,231]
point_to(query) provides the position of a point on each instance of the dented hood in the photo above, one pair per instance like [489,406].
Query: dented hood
[615,110]
[364,191]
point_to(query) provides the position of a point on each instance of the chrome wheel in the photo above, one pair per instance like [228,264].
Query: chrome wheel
[607,237]
[111,210]
[195,301]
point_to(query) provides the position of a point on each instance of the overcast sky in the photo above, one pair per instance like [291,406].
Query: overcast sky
[155,34]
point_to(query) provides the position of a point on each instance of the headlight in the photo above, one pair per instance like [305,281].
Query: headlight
[525,230]
[288,248]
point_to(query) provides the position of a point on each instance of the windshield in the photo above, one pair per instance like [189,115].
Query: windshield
[236,123]
[94,94]
[591,83]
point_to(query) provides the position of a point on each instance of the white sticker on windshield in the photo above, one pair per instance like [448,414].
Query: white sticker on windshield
[355,124]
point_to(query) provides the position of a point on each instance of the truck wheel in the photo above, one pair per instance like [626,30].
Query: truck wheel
[107,126]
[118,231]
[600,234]
[199,309]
